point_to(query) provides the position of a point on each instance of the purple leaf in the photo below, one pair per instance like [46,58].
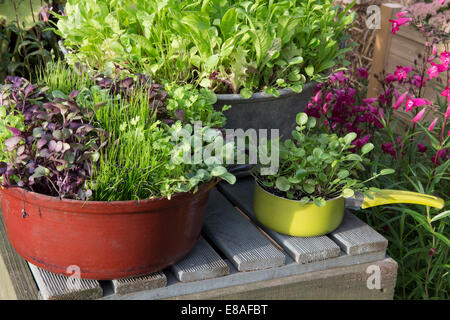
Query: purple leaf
[11,143]
[73,94]
[15,131]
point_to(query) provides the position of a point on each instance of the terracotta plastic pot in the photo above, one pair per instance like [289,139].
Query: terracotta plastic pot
[298,219]
[106,240]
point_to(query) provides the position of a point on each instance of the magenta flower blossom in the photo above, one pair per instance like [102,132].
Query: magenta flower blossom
[317,98]
[390,78]
[419,116]
[362,73]
[446,93]
[338,76]
[447,112]
[409,104]
[400,100]
[432,125]
[422,148]
[445,57]
[402,72]
[396,24]
[388,149]
[418,102]
[434,70]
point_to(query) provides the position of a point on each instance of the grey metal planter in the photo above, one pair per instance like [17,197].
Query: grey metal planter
[262,111]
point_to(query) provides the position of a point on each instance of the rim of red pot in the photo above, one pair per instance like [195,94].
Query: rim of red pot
[105,207]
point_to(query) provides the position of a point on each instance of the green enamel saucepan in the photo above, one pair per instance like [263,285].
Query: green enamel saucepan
[307,220]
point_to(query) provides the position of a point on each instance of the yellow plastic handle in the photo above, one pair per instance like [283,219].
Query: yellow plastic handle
[387,196]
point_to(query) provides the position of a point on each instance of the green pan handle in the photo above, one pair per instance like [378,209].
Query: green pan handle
[387,196]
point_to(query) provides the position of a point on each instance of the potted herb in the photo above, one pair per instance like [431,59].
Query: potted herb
[258,56]
[89,176]
[317,171]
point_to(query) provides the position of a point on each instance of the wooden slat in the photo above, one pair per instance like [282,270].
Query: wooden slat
[302,250]
[59,287]
[16,280]
[382,45]
[356,237]
[238,238]
[147,282]
[175,288]
[201,263]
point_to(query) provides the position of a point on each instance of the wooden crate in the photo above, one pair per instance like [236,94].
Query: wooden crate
[399,49]
[235,258]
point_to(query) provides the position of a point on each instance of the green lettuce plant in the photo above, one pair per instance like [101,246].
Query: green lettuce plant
[224,45]
[315,167]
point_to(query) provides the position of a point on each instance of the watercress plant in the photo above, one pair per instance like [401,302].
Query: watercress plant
[315,167]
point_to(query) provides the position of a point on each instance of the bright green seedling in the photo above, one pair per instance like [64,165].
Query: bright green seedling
[317,167]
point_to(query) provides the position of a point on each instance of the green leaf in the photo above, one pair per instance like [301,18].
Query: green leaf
[367,148]
[228,177]
[218,171]
[320,202]
[246,93]
[387,171]
[441,216]
[343,174]
[301,118]
[309,70]
[40,172]
[347,193]
[282,184]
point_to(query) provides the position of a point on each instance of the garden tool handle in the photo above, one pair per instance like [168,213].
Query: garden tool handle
[387,196]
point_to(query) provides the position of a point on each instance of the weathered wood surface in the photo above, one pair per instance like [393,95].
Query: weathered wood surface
[59,287]
[202,263]
[134,284]
[16,280]
[382,45]
[343,283]
[302,250]
[353,236]
[246,247]
[175,288]
[356,237]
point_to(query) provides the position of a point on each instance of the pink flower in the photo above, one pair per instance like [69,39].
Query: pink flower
[446,93]
[434,50]
[409,104]
[447,113]
[339,76]
[390,78]
[45,13]
[317,98]
[445,57]
[370,100]
[400,100]
[418,102]
[396,24]
[419,116]
[388,148]
[434,70]
[362,73]
[401,14]
[422,148]
[401,72]
[432,125]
